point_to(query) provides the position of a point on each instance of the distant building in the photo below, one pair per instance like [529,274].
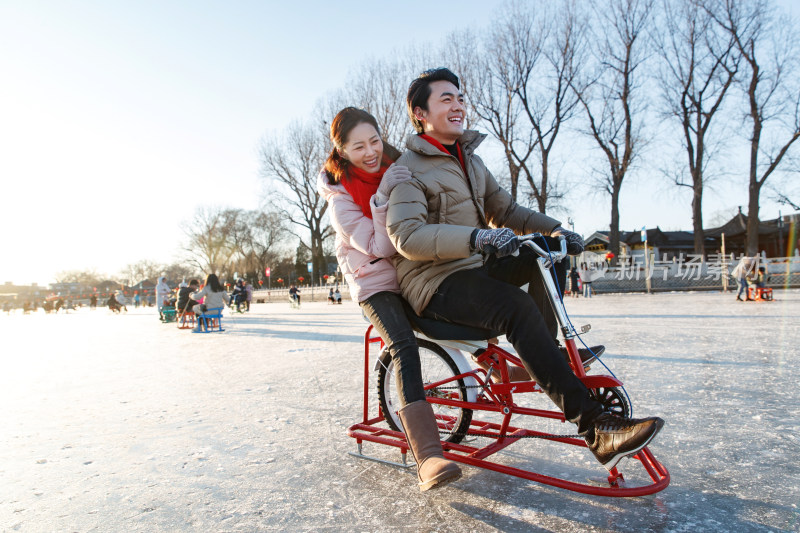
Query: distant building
[662,244]
[774,235]
[774,238]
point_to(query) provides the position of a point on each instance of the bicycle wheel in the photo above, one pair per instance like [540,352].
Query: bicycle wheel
[437,365]
[613,400]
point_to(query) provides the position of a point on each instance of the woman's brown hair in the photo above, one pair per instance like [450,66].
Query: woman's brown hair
[343,123]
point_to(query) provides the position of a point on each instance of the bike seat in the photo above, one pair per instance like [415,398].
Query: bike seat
[447,331]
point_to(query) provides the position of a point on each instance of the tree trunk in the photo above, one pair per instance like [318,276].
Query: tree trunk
[754,191]
[542,198]
[513,172]
[613,234]
[752,218]
[697,216]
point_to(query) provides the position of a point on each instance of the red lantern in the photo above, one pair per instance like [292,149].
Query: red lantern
[261,282]
[280,280]
[301,279]
[325,276]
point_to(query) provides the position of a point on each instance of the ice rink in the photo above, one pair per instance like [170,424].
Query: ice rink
[122,423]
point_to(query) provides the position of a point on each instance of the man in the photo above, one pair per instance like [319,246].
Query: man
[185,302]
[294,294]
[445,218]
[745,267]
[238,295]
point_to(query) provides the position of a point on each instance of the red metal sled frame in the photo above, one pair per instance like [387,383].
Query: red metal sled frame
[498,397]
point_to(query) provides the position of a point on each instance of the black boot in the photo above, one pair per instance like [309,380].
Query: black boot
[587,356]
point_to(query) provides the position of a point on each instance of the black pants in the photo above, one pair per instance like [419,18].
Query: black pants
[489,297]
[385,310]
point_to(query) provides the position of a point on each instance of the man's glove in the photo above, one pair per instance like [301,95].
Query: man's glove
[575,244]
[393,176]
[500,241]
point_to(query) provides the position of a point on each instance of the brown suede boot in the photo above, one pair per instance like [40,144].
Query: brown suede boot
[422,434]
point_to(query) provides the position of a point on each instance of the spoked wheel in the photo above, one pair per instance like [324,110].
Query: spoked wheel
[437,365]
[613,400]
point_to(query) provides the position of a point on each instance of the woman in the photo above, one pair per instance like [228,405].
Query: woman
[215,298]
[356,181]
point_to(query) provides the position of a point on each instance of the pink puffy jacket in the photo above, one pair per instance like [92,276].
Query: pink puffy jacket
[362,245]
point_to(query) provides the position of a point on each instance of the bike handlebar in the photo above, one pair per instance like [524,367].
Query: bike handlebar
[556,256]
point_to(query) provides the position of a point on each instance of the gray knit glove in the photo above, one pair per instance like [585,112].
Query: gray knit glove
[393,176]
[500,241]
[575,244]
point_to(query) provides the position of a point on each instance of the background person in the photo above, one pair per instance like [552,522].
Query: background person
[740,272]
[356,181]
[586,274]
[294,294]
[162,292]
[574,278]
[248,289]
[185,302]
[214,297]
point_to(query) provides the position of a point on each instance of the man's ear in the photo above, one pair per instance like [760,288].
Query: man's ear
[419,113]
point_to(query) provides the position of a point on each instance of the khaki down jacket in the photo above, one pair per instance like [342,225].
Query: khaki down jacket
[430,218]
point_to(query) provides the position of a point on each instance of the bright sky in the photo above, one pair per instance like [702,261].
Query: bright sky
[118,118]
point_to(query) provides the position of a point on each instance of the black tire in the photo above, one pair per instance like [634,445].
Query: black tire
[436,366]
[613,399]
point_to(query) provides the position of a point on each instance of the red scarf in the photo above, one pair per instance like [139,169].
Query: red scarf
[362,184]
[441,147]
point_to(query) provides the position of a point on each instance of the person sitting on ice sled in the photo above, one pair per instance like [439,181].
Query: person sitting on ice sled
[454,228]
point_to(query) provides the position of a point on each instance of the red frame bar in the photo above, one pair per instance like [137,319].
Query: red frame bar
[495,398]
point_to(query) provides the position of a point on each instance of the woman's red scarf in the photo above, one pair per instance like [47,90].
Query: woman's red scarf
[362,184]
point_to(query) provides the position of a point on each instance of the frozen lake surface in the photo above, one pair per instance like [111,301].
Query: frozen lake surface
[121,423]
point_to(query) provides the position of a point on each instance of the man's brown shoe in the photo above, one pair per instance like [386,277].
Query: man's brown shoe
[615,437]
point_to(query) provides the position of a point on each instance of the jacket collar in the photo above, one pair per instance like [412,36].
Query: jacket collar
[470,140]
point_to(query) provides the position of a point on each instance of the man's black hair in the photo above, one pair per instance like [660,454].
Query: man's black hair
[420,90]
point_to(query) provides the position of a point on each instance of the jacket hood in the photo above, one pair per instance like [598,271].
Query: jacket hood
[327,189]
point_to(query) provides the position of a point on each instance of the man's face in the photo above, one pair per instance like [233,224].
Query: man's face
[444,119]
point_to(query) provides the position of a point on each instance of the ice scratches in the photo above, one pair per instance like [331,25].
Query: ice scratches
[247,433]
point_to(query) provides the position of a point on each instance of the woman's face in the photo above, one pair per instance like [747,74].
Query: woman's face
[364,148]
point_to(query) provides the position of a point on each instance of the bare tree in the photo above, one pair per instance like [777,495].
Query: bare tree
[698,67]
[291,164]
[142,270]
[768,45]
[786,199]
[461,55]
[210,246]
[492,98]
[87,277]
[180,271]
[258,237]
[611,97]
[521,89]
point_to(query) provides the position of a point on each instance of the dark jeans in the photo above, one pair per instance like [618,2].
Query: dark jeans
[386,312]
[489,297]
